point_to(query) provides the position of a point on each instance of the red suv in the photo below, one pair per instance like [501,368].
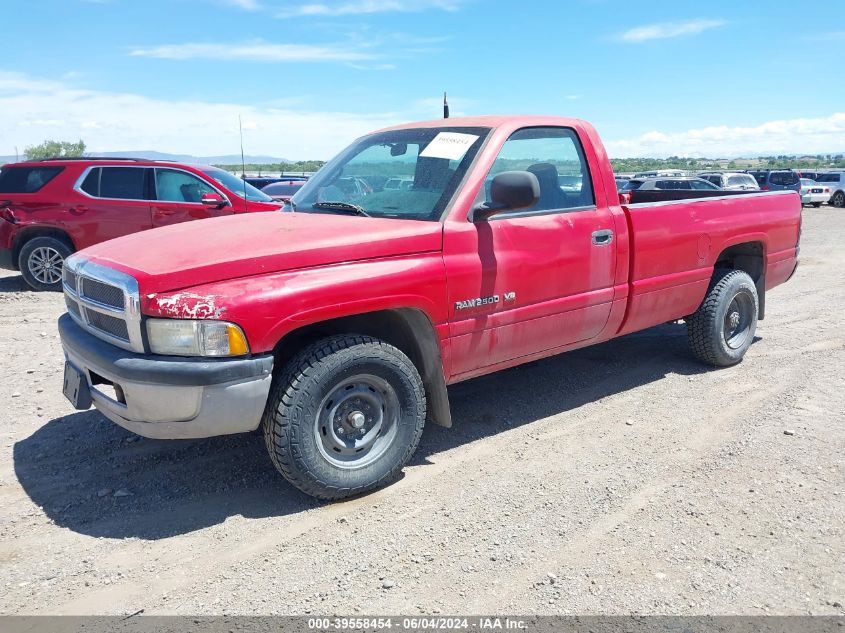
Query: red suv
[51,208]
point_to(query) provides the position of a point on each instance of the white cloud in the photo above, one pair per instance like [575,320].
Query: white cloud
[831,36]
[246,5]
[34,110]
[254,52]
[364,7]
[785,136]
[664,30]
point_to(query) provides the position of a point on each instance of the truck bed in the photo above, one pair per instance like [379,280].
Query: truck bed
[676,243]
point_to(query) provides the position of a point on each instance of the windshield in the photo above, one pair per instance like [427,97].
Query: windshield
[409,174]
[237,186]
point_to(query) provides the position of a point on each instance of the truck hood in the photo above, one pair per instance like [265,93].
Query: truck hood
[206,251]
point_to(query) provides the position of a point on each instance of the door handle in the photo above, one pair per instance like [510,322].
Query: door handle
[161,212]
[603,237]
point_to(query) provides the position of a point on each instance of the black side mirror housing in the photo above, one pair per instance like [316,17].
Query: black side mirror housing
[509,191]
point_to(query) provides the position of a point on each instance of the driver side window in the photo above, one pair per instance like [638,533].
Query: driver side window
[179,186]
[555,156]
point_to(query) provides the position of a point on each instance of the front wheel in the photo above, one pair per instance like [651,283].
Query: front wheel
[344,416]
[838,199]
[40,262]
[817,204]
[723,327]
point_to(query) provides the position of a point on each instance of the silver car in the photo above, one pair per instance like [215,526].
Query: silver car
[731,180]
[836,181]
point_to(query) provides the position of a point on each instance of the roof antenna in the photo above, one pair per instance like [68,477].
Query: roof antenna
[243,165]
[445,106]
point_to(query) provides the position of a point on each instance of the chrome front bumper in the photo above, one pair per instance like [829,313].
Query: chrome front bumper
[169,397]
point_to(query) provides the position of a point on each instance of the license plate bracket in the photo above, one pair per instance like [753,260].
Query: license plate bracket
[76,388]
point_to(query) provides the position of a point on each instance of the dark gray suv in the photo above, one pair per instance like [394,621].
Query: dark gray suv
[777,179]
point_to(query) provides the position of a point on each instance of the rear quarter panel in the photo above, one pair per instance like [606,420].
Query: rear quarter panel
[676,245]
[50,207]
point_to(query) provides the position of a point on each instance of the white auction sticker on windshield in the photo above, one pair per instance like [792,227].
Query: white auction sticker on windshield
[451,145]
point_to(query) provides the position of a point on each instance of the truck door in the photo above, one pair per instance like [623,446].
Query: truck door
[529,282]
[178,198]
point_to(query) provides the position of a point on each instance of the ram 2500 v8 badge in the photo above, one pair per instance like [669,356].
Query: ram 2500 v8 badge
[337,326]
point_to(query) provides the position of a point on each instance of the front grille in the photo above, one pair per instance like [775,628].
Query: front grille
[69,278]
[110,325]
[72,307]
[104,301]
[105,294]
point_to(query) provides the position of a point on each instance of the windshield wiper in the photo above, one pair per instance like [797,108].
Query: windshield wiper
[341,206]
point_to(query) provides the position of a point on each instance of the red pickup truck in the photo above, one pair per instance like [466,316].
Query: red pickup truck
[338,325]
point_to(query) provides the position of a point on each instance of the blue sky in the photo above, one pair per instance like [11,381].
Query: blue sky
[717,78]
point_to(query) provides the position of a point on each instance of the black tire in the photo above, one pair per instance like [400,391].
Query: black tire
[333,385]
[838,199]
[817,204]
[723,327]
[40,262]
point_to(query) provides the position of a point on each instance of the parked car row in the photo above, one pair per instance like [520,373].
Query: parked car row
[814,187]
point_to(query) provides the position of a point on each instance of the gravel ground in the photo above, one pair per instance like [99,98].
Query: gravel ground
[619,478]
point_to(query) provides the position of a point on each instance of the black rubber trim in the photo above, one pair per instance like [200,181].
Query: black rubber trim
[6,259]
[157,369]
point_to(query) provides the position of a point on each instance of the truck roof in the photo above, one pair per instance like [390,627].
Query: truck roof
[492,121]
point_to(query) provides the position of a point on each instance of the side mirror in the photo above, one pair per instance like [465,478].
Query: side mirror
[510,190]
[213,200]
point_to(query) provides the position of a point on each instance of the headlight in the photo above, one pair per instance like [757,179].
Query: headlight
[184,337]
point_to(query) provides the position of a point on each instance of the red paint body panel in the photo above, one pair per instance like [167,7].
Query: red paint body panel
[269,306]
[274,273]
[87,221]
[188,255]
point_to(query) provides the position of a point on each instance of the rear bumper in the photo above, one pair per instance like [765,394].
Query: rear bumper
[169,397]
[810,198]
[6,259]
[7,241]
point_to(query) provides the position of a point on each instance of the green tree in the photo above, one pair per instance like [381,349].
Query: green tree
[55,149]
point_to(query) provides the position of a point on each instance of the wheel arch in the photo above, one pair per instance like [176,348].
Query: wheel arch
[27,233]
[749,257]
[408,329]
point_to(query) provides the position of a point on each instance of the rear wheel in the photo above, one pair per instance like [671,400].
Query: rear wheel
[344,416]
[723,327]
[41,260]
[817,204]
[838,199]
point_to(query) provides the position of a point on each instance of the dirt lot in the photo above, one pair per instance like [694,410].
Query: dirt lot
[620,478]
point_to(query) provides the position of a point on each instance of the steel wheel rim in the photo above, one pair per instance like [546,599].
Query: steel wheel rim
[45,264]
[738,319]
[340,441]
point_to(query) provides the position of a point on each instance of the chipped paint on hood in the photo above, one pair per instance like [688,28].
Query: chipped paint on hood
[186,305]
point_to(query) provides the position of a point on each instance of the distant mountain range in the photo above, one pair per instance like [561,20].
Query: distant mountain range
[228,159]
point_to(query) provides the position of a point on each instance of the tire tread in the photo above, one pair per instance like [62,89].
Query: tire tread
[280,428]
[699,325]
